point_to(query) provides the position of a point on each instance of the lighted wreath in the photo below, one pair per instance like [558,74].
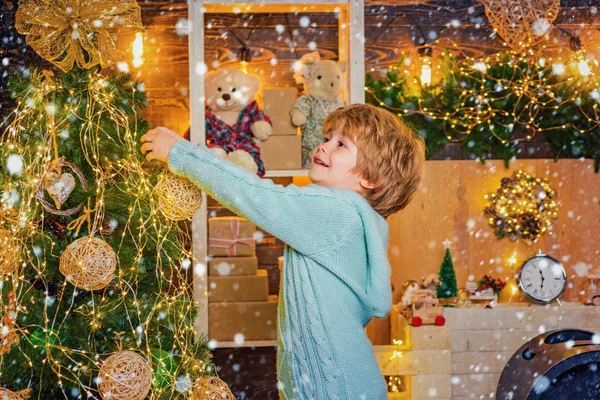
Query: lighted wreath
[523,207]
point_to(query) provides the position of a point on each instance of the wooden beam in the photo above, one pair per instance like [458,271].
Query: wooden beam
[197,136]
[356,42]
[292,7]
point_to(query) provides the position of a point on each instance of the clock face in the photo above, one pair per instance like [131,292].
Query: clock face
[542,279]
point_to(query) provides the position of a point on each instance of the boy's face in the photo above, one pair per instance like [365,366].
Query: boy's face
[332,162]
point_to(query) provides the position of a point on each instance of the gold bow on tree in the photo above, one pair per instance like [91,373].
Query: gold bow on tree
[65,32]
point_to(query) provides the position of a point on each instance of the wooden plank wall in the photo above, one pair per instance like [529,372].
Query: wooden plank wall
[277,40]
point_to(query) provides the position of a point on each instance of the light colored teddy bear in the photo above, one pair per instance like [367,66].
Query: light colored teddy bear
[233,119]
[323,83]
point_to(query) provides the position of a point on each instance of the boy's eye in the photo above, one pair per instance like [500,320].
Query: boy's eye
[341,144]
[319,77]
[326,139]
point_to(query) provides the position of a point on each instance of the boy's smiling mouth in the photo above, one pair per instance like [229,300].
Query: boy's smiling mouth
[318,161]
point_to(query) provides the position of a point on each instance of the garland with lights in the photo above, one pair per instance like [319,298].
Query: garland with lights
[491,104]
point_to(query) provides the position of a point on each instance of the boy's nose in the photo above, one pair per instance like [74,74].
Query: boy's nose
[322,147]
[226,96]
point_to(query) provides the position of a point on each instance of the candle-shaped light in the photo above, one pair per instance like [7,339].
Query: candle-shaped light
[426,53]
[138,50]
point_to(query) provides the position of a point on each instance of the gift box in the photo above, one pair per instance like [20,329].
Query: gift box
[231,237]
[232,266]
[278,104]
[239,288]
[256,320]
[282,152]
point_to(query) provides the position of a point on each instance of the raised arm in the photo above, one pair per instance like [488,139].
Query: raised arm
[309,219]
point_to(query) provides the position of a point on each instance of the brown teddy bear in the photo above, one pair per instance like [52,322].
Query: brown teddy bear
[233,119]
[323,83]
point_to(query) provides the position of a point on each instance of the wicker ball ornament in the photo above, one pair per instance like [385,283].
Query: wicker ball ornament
[88,263]
[211,388]
[8,252]
[178,198]
[522,23]
[6,394]
[125,375]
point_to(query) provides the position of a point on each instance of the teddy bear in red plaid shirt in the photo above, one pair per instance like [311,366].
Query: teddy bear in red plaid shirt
[233,120]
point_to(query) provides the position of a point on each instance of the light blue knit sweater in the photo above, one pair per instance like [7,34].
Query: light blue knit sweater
[336,275]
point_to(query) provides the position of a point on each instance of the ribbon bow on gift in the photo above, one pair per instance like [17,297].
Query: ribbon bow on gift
[230,244]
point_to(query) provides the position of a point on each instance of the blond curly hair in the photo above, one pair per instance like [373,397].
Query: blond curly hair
[390,155]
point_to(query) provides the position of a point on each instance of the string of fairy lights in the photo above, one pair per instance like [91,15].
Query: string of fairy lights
[20,201]
[529,86]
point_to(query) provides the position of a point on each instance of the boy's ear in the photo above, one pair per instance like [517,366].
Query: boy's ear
[365,184]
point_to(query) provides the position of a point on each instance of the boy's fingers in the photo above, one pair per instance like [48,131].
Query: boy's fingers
[146,147]
[149,135]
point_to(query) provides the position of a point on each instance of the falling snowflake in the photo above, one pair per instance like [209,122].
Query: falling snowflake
[304,22]
[541,27]
[558,69]
[183,27]
[14,164]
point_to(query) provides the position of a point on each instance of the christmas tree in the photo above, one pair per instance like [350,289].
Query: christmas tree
[96,299]
[447,277]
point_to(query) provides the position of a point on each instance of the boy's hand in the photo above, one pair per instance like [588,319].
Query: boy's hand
[157,143]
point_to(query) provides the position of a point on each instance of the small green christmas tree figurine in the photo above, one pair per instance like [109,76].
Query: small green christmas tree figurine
[447,278]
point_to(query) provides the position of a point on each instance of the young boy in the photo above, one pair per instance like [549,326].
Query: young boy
[336,275]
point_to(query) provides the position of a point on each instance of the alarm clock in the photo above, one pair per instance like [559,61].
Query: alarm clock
[542,279]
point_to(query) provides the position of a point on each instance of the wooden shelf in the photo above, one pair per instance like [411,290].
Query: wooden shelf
[285,172]
[251,343]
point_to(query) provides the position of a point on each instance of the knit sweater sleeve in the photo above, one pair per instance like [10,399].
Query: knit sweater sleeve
[309,219]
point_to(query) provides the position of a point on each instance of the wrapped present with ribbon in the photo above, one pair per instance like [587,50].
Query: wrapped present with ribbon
[231,237]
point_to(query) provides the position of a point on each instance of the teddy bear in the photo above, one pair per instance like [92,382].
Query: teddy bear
[323,83]
[232,118]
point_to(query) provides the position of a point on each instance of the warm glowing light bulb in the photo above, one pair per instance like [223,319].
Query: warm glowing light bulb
[426,71]
[138,50]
